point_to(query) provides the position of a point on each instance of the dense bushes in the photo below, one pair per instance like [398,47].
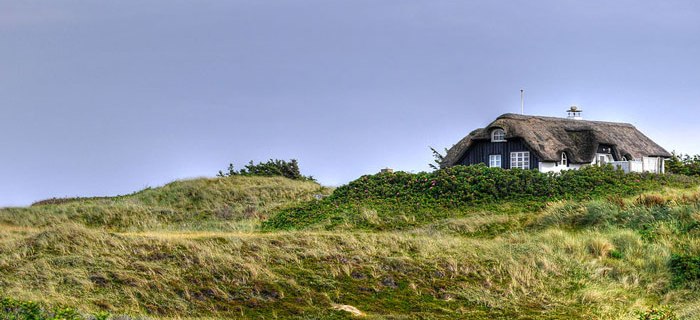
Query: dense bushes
[11,309]
[424,195]
[271,168]
[658,313]
[684,164]
[465,185]
[685,268]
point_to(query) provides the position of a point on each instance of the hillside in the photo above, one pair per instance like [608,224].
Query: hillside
[403,201]
[617,249]
[197,204]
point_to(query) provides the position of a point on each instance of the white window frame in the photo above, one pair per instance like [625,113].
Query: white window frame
[495,161]
[520,159]
[498,135]
[564,159]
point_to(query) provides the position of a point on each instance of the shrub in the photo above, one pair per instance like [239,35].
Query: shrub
[685,268]
[276,167]
[658,313]
[426,195]
[616,254]
[684,164]
[30,310]
[469,184]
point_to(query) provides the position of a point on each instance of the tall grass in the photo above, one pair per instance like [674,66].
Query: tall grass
[192,249]
[230,203]
[557,273]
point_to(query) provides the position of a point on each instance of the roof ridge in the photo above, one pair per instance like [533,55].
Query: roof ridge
[516,116]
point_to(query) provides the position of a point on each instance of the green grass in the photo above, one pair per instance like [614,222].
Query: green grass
[403,201]
[201,204]
[607,257]
[551,273]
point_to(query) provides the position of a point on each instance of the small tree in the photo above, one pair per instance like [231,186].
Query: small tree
[437,158]
[684,164]
[230,171]
[273,167]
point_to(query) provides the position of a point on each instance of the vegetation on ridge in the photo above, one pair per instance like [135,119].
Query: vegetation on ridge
[570,261]
[199,204]
[406,200]
[486,244]
[684,164]
[271,168]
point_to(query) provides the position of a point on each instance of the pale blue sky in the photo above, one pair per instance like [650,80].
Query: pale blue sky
[105,98]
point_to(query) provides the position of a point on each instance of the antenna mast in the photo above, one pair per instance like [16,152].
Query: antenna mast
[522,101]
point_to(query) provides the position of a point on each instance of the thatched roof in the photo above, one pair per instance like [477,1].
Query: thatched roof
[548,137]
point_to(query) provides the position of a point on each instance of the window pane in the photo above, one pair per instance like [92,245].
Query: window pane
[520,160]
[495,160]
[498,135]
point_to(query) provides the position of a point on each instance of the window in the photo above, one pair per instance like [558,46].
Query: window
[520,160]
[498,135]
[495,161]
[564,159]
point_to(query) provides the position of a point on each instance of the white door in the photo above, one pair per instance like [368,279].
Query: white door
[602,159]
[651,164]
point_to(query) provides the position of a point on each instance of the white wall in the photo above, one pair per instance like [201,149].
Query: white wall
[648,164]
[636,166]
[556,167]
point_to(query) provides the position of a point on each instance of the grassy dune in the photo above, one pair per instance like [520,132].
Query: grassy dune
[200,204]
[604,258]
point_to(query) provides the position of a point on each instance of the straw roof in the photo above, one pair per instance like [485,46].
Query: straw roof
[548,137]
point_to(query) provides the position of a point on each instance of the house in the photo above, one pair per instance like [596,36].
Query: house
[550,144]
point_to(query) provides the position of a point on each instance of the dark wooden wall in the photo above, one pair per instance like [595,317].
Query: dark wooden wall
[604,148]
[479,153]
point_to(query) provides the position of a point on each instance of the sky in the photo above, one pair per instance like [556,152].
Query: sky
[109,97]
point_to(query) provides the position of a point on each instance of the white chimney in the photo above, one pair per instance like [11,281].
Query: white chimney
[574,113]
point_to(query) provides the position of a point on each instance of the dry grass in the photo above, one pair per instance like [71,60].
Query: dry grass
[229,274]
[599,248]
[230,204]
[573,260]
[651,200]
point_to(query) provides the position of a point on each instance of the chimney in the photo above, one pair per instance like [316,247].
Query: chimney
[574,113]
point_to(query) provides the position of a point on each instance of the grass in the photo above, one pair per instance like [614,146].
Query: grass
[608,257]
[230,204]
[552,273]
[403,201]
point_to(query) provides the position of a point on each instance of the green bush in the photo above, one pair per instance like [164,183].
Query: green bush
[271,168]
[427,194]
[685,269]
[11,309]
[658,313]
[684,164]
[469,184]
